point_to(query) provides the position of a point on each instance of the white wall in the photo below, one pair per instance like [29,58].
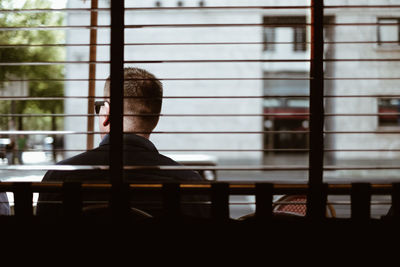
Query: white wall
[369,69]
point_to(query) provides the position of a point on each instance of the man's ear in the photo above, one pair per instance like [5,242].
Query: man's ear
[106,121]
[106,114]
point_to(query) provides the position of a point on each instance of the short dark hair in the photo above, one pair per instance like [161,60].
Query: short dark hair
[143,94]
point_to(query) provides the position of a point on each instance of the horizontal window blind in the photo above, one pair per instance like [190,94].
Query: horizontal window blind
[292,92]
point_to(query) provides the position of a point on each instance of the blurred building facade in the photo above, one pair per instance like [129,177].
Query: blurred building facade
[205,80]
[352,86]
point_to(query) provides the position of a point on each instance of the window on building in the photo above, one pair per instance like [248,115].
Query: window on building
[273,28]
[292,107]
[388,111]
[269,38]
[299,37]
[388,31]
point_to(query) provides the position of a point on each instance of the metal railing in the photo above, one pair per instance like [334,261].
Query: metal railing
[169,197]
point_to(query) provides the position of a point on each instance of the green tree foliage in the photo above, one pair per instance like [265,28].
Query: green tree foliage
[41,77]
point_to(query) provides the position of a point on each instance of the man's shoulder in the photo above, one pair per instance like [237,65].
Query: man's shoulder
[187,175]
[93,156]
[168,160]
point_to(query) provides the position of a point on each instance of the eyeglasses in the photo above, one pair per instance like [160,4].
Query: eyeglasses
[98,105]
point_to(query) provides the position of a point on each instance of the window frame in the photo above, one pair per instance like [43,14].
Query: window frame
[380,114]
[382,44]
[293,22]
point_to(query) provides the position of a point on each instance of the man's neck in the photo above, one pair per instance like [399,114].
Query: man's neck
[144,135]
[147,136]
[134,127]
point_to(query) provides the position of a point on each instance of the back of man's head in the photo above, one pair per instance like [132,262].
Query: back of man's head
[142,96]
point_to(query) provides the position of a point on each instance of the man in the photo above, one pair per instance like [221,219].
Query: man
[143,96]
[21,144]
[10,147]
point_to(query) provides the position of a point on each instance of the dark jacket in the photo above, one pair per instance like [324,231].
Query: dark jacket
[138,151]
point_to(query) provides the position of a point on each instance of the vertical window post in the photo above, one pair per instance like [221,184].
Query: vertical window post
[315,198]
[116,100]
[92,73]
